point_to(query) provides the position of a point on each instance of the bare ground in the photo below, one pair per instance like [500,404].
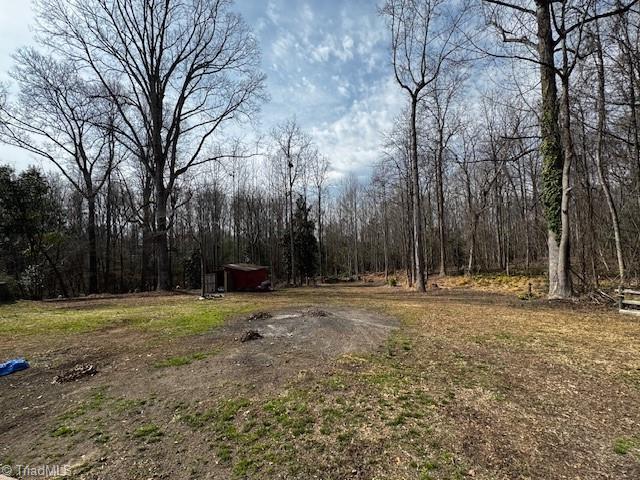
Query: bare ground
[346,382]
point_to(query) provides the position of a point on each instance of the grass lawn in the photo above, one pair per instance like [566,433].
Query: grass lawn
[169,315]
[470,385]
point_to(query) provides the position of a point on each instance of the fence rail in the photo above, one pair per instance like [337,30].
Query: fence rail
[628,300]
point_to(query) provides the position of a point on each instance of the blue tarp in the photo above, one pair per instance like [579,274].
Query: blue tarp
[14,365]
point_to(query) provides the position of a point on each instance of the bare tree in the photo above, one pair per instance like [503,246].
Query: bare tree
[423,34]
[440,110]
[293,148]
[555,28]
[319,173]
[601,107]
[176,72]
[61,118]
[380,182]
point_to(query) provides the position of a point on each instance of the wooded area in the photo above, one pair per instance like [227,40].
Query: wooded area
[518,150]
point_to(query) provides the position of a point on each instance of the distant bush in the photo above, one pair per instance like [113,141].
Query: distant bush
[393,282]
[32,281]
[6,292]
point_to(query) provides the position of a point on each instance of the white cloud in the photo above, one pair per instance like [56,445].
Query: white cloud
[343,85]
[353,141]
[307,86]
[285,46]
[322,52]
[273,12]
[330,47]
[347,44]
[307,13]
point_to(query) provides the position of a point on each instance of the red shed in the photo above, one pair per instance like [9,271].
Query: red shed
[244,276]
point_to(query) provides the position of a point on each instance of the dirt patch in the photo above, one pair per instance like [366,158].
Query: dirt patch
[259,316]
[76,373]
[125,413]
[250,335]
[292,341]
[319,333]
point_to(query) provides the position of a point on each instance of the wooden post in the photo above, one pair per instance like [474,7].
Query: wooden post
[529,291]
[620,298]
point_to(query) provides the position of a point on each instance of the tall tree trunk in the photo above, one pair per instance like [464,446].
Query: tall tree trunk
[406,236]
[590,227]
[472,247]
[552,155]
[565,287]
[385,233]
[203,266]
[355,237]
[633,103]
[107,251]
[525,217]
[291,246]
[635,128]
[93,247]
[162,244]
[415,197]
[146,278]
[159,157]
[473,216]
[497,201]
[613,211]
[122,288]
[320,232]
[441,219]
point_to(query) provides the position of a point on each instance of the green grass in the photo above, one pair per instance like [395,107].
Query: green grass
[184,316]
[217,417]
[149,432]
[100,436]
[622,446]
[65,425]
[124,405]
[62,431]
[90,417]
[181,360]
[292,413]
[260,440]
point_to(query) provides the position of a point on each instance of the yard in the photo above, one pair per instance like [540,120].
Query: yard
[349,381]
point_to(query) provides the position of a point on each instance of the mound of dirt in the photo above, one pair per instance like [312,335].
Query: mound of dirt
[259,316]
[250,335]
[76,373]
[298,339]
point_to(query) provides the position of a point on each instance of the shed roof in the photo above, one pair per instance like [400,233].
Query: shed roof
[244,267]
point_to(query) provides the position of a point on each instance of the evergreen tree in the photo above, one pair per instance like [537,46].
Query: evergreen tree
[306,245]
[193,270]
[30,225]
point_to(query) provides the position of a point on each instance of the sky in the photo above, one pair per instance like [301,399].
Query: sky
[326,62]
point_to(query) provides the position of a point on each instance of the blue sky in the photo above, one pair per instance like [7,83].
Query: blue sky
[326,61]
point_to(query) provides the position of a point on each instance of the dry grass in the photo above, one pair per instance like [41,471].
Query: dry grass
[473,385]
[516,284]
[499,283]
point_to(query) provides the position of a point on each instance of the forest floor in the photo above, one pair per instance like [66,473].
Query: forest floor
[349,381]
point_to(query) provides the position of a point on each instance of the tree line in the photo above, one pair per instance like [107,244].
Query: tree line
[517,150]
